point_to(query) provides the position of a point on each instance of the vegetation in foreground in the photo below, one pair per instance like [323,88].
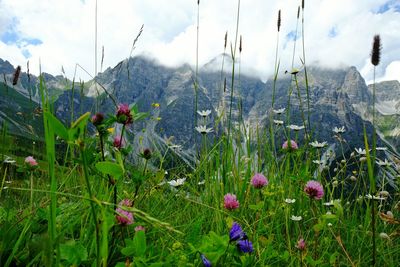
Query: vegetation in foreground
[248,201]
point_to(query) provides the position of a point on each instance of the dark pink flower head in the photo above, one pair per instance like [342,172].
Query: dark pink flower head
[124,115]
[301,244]
[230,202]
[124,217]
[97,119]
[118,142]
[293,145]
[314,190]
[259,180]
[31,161]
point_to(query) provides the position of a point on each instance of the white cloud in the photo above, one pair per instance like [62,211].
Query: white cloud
[66,29]
[392,71]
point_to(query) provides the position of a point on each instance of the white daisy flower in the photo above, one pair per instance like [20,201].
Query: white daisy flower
[316,144]
[279,111]
[381,148]
[295,127]
[361,151]
[278,122]
[203,129]
[296,218]
[369,196]
[320,162]
[290,201]
[9,160]
[339,130]
[204,113]
[177,182]
[383,163]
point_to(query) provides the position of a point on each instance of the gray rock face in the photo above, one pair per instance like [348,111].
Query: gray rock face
[336,98]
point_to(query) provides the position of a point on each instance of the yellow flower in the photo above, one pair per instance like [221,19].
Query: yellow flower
[155,105]
[111,130]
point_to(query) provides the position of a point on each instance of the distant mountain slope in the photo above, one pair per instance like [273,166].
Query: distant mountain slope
[338,97]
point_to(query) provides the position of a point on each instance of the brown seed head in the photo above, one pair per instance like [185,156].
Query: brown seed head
[225,84]
[376,50]
[27,71]
[279,20]
[240,45]
[302,4]
[298,12]
[16,75]
[147,153]
[226,39]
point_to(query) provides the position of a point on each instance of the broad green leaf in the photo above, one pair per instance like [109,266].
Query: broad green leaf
[73,252]
[140,116]
[57,126]
[134,108]
[110,168]
[256,207]
[135,247]
[78,127]
[81,121]
[329,217]
[139,241]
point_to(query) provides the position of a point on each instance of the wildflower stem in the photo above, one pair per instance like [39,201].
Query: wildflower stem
[31,190]
[92,207]
[305,69]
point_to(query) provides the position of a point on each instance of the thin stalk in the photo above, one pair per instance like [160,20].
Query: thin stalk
[305,69]
[31,178]
[50,153]
[233,52]
[196,83]
[301,107]
[92,207]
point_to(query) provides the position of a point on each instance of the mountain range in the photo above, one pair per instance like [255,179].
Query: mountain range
[337,98]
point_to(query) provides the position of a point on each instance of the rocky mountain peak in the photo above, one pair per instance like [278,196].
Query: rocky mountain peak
[355,87]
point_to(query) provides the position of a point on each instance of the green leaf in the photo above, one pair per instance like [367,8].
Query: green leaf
[73,252]
[110,168]
[339,208]
[140,116]
[139,241]
[77,128]
[137,246]
[134,108]
[256,207]
[81,121]
[332,258]
[329,217]
[57,126]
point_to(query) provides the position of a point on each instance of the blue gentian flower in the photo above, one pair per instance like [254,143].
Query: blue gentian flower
[236,233]
[245,246]
[206,262]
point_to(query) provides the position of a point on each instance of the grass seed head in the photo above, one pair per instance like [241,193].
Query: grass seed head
[376,50]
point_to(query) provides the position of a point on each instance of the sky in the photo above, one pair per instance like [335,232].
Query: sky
[60,34]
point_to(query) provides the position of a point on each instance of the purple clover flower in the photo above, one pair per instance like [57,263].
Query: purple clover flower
[259,181]
[314,190]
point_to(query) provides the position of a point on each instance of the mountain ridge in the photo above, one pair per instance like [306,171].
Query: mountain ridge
[338,97]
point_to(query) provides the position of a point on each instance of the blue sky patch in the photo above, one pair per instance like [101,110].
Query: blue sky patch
[13,37]
[389,5]
[291,36]
[26,53]
[333,32]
